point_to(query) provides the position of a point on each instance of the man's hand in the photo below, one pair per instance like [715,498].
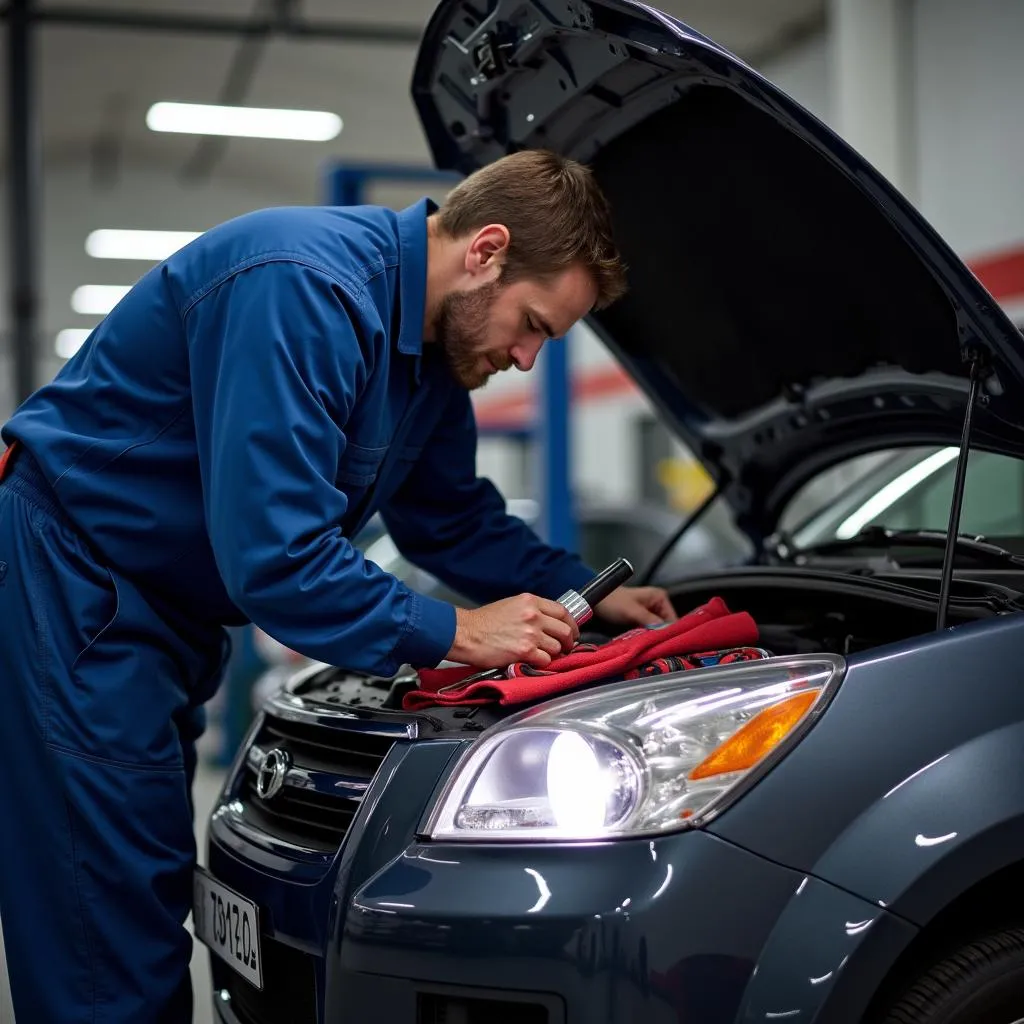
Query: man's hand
[522,628]
[637,606]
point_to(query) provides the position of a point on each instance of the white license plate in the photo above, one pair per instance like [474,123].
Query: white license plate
[229,924]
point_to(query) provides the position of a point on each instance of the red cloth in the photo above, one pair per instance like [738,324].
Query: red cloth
[709,627]
[5,458]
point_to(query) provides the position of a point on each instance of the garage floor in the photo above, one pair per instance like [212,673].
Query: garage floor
[207,785]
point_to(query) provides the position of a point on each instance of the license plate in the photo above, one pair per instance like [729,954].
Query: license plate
[229,924]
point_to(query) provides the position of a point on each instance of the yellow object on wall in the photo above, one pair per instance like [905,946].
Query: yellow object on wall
[686,482]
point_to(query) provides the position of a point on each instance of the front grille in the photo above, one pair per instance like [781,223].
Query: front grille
[333,749]
[442,1009]
[289,988]
[306,818]
[331,764]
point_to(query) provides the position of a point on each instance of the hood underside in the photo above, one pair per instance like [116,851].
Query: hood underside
[787,307]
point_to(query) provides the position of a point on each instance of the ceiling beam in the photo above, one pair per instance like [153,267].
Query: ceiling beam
[205,24]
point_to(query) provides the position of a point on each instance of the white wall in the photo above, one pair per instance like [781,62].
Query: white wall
[969,100]
[966,114]
[803,73]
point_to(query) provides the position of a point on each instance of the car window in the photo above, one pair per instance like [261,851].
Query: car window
[993,499]
[913,490]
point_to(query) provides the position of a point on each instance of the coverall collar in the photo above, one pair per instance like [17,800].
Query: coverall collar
[412,237]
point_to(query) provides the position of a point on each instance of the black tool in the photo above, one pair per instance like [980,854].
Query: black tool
[579,604]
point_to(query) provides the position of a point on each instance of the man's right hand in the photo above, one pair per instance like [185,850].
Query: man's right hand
[523,628]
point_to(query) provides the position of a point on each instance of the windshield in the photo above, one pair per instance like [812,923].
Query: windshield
[899,489]
[912,489]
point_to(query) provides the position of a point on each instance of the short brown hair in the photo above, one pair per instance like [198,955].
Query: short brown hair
[555,212]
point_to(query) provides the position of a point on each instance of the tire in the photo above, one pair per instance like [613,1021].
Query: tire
[980,983]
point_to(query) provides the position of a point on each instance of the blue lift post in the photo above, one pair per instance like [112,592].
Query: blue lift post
[557,509]
[346,185]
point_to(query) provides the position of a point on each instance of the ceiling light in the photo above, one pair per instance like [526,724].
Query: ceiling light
[70,340]
[115,244]
[249,122]
[98,298]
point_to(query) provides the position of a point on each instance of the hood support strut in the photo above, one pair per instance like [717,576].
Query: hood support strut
[960,480]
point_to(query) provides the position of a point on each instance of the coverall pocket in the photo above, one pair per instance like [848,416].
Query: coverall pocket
[75,595]
[105,612]
[359,465]
[116,676]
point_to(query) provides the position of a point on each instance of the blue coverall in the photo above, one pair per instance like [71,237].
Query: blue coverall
[201,462]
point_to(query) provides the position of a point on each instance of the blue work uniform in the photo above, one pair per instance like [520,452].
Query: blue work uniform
[202,462]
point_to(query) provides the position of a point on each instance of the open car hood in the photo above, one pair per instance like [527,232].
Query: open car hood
[787,308]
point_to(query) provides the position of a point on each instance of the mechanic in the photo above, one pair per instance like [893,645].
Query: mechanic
[201,463]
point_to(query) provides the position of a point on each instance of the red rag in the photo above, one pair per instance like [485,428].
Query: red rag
[710,627]
[6,458]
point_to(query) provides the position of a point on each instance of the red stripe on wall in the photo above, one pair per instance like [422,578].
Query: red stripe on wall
[1001,273]
[516,408]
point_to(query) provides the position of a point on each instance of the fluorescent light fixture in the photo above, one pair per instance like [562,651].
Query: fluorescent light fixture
[247,122]
[70,340]
[893,491]
[98,298]
[115,244]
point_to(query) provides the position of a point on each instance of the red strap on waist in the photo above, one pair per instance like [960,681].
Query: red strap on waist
[5,460]
[707,628]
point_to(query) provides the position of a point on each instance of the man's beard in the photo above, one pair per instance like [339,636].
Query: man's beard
[461,329]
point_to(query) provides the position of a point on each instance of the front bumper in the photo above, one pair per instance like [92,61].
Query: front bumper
[656,931]
[401,931]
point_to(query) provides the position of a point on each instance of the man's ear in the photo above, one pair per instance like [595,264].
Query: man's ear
[486,252]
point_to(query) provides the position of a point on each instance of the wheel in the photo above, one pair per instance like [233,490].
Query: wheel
[981,983]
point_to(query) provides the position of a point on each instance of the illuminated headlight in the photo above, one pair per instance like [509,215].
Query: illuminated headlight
[633,758]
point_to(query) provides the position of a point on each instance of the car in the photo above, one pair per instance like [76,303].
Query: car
[833,832]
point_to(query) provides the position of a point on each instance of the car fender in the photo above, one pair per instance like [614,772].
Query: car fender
[828,952]
[951,824]
[906,791]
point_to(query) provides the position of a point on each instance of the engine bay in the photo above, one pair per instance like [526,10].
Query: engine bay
[797,610]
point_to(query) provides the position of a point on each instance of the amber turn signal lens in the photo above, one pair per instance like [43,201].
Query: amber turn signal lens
[749,744]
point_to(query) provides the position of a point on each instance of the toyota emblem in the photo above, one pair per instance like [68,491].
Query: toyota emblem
[270,777]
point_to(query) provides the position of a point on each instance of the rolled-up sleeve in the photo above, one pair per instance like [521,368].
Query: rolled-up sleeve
[453,523]
[278,355]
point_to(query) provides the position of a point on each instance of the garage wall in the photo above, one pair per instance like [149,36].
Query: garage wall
[969,98]
[967,117]
[803,73]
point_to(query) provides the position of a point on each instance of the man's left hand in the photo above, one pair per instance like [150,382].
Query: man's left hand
[637,606]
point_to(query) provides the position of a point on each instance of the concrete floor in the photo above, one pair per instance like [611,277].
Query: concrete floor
[207,784]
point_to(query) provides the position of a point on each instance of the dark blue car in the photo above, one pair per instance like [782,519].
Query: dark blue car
[834,833]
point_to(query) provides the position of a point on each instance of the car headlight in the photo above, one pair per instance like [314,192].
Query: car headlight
[633,758]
